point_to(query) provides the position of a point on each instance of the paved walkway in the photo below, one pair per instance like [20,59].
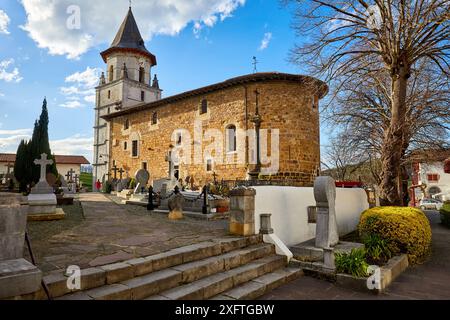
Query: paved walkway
[430,280]
[111,233]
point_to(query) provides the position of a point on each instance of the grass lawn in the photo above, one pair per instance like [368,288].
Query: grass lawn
[86,180]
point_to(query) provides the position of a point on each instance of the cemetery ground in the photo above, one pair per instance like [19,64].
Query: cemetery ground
[97,231]
[429,280]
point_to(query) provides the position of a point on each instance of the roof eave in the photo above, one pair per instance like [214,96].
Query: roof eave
[111,50]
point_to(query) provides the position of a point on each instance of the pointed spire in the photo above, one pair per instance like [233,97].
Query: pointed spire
[155,83]
[124,71]
[129,37]
[102,79]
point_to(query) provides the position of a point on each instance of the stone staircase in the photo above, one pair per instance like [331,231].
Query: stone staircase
[228,268]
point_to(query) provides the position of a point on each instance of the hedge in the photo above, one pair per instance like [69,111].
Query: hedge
[406,230]
[445,214]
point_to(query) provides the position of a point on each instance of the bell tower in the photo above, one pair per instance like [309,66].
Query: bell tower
[126,83]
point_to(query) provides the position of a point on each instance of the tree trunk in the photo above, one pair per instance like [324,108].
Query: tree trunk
[391,152]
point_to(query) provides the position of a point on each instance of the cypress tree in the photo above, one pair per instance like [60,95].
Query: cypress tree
[20,166]
[44,144]
[40,144]
[34,153]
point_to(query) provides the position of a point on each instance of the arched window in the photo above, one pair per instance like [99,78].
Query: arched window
[204,106]
[141,75]
[111,73]
[231,138]
[126,125]
[154,118]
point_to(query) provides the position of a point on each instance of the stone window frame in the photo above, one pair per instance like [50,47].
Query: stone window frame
[203,106]
[133,148]
[212,164]
[141,75]
[154,119]
[142,95]
[109,94]
[111,73]
[227,145]
[179,138]
[126,124]
[125,145]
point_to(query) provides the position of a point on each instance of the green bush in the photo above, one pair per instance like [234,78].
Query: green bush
[353,263]
[445,214]
[107,187]
[377,249]
[406,230]
[132,184]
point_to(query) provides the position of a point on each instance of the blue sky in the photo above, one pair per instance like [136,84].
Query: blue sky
[194,46]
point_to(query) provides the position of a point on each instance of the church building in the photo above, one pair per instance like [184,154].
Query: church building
[255,126]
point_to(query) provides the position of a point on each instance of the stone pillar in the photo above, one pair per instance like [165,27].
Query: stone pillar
[326,226]
[17,275]
[265,225]
[13,222]
[242,211]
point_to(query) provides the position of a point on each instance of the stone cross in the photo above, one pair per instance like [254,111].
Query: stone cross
[326,226]
[76,178]
[43,162]
[70,174]
[121,171]
[115,169]
[9,166]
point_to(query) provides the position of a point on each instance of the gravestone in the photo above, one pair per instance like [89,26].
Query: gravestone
[42,199]
[326,226]
[142,176]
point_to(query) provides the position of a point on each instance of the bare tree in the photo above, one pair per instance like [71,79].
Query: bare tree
[349,39]
[340,157]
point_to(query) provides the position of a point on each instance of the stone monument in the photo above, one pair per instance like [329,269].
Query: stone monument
[327,235]
[142,176]
[175,204]
[42,199]
[17,275]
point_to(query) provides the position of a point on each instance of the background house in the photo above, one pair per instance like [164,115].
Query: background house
[63,163]
[431,171]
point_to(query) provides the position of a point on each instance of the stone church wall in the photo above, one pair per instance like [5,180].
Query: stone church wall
[287,106]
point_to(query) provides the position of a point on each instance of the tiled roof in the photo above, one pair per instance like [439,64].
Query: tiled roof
[316,84]
[60,159]
[7,157]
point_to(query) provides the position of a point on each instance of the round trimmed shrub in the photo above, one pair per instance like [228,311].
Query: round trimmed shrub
[406,230]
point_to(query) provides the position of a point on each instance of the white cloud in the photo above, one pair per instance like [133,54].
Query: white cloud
[72,104]
[2,94]
[74,145]
[100,20]
[7,73]
[10,139]
[265,41]
[82,86]
[4,22]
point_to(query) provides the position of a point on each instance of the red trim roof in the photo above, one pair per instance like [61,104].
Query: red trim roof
[60,159]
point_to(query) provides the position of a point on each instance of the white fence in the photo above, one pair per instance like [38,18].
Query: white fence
[289,209]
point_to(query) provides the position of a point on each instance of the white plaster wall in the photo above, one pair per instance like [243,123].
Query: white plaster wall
[444,178]
[64,168]
[288,206]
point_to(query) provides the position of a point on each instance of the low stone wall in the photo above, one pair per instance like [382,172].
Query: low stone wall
[289,209]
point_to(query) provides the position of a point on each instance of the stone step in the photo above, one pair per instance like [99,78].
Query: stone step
[215,284]
[260,285]
[154,282]
[122,271]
